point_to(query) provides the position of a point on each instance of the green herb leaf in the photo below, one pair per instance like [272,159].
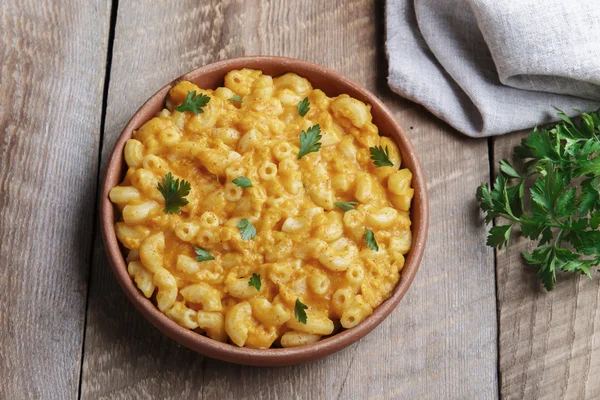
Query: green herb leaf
[563,162]
[547,188]
[591,166]
[303,107]
[193,103]
[495,201]
[299,311]
[565,204]
[532,226]
[255,281]
[370,239]
[381,157]
[589,196]
[309,141]
[203,255]
[595,220]
[508,170]
[499,236]
[538,145]
[243,182]
[345,205]
[236,98]
[247,230]
[174,191]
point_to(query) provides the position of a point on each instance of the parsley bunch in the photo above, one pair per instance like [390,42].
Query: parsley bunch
[564,214]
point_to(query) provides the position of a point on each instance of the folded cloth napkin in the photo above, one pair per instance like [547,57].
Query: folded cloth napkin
[489,67]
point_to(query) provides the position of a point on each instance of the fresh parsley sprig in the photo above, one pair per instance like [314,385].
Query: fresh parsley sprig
[309,141]
[564,164]
[174,192]
[202,254]
[381,157]
[193,103]
[300,312]
[370,239]
[247,230]
[242,182]
[303,107]
[254,281]
[345,205]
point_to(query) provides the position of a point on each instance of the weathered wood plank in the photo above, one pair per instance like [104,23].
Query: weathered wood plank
[439,343]
[549,341]
[52,68]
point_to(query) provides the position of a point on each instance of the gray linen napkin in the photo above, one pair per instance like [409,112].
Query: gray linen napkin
[489,67]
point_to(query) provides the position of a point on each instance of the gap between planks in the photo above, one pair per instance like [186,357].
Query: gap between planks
[109,52]
[492,161]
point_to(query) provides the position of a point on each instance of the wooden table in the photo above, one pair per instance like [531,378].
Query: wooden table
[474,325]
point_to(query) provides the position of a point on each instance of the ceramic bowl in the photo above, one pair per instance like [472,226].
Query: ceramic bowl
[333,84]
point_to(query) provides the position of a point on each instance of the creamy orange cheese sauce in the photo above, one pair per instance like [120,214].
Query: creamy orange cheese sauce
[305,247]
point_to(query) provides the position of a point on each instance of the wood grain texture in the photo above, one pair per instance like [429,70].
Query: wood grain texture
[549,341]
[439,343]
[52,68]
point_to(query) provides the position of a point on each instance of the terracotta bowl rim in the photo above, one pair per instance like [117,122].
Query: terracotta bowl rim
[278,356]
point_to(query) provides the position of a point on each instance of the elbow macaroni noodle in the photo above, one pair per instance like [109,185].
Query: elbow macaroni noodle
[305,247]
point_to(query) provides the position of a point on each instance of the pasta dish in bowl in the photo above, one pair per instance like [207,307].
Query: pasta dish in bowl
[264,219]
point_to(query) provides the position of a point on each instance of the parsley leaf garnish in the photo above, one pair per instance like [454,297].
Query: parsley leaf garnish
[345,205]
[381,157]
[255,281]
[174,191]
[299,311]
[203,255]
[243,182]
[563,162]
[247,230]
[236,98]
[193,103]
[370,239]
[303,107]
[309,141]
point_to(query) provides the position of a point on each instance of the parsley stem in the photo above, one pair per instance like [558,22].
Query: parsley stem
[558,240]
